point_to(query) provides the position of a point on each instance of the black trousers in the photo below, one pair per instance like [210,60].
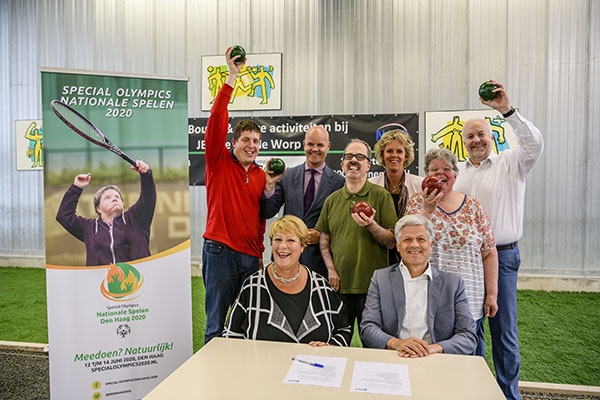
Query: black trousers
[354,305]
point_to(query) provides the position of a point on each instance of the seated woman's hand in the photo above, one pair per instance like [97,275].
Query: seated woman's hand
[316,343]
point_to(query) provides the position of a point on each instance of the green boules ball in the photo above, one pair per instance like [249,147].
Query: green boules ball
[238,51]
[276,165]
[486,91]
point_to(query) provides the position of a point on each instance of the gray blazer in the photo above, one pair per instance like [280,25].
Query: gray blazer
[450,321]
[290,190]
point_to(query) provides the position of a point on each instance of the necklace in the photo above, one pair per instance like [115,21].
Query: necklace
[394,189]
[285,280]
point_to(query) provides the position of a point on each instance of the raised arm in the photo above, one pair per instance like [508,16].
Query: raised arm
[529,137]
[65,215]
[143,209]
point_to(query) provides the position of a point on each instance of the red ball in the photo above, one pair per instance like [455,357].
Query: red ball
[364,207]
[430,183]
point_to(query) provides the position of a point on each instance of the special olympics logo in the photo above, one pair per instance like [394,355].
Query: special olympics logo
[122,282]
[388,127]
[123,330]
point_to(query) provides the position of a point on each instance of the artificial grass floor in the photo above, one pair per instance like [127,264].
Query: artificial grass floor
[557,330]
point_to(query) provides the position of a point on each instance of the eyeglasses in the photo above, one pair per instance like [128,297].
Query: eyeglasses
[445,169]
[359,157]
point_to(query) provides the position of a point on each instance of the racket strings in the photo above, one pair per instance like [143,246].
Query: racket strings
[79,123]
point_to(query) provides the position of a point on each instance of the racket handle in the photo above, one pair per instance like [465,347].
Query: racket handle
[128,159]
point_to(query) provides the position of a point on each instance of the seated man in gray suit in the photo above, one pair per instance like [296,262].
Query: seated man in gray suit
[413,307]
[303,196]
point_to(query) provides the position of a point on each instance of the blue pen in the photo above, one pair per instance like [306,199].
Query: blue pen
[308,363]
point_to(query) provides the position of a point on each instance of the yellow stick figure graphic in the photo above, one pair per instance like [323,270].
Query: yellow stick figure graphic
[261,79]
[499,135]
[216,79]
[451,136]
[243,85]
[36,137]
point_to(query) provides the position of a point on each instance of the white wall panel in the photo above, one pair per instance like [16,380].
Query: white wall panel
[21,221]
[339,57]
[589,155]
[563,213]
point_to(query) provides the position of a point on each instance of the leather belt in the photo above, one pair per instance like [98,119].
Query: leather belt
[215,242]
[507,246]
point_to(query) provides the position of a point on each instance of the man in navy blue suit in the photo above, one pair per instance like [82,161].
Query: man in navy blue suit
[291,189]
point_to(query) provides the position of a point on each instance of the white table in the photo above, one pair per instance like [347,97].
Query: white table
[247,369]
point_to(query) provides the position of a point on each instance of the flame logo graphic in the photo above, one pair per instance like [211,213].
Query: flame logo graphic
[122,282]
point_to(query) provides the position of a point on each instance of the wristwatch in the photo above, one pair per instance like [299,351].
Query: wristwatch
[509,113]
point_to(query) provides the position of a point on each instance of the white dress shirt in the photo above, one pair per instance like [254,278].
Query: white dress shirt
[499,181]
[416,290]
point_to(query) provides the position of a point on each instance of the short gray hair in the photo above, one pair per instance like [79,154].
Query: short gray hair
[413,220]
[444,154]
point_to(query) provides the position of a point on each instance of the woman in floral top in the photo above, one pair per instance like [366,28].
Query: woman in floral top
[464,244]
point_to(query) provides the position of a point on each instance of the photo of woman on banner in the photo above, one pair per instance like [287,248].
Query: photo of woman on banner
[116,234]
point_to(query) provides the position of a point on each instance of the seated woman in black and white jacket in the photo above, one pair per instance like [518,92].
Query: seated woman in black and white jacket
[286,301]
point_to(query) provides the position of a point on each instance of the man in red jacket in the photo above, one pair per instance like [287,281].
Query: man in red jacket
[233,240]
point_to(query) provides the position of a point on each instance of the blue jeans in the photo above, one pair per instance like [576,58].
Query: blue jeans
[480,332]
[223,271]
[503,327]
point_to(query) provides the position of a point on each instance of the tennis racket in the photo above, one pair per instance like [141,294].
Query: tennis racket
[84,128]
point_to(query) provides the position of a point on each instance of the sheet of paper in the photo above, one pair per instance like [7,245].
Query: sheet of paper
[384,378]
[302,373]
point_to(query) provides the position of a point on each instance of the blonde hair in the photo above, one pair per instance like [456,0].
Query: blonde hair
[400,136]
[292,225]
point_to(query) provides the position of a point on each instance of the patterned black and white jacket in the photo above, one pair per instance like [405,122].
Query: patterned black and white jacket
[255,315]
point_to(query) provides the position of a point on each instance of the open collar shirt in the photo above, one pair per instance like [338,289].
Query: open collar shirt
[415,322]
[499,181]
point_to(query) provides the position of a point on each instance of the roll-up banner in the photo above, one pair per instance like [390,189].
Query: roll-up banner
[116,201]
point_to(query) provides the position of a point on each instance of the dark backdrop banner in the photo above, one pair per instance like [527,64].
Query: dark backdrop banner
[282,137]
